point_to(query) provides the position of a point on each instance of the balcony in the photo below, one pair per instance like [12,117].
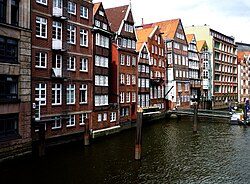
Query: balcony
[56,44]
[57,72]
[156,80]
[57,12]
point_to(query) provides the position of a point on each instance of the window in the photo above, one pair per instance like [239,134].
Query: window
[133,61]
[122,97]
[104,26]
[57,30]
[179,87]
[122,59]
[71,65]
[70,121]
[2,11]
[97,23]
[128,97]
[41,27]
[72,8]
[176,45]
[14,12]
[84,12]
[102,41]
[8,50]
[40,93]
[134,79]
[41,59]
[112,116]
[133,44]
[70,95]
[56,94]
[101,100]
[9,88]
[57,4]
[101,80]
[8,125]
[105,116]
[101,61]
[101,12]
[133,96]
[124,42]
[83,93]
[122,79]
[57,123]
[186,86]
[83,116]
[99,117]
[128,79]
[44,2]
[83,64]
[83,37]
[71,34]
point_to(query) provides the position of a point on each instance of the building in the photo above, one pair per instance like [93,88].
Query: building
[15,79]
[205,74]
[124,63]
[177,81]
[62,74]
[243,47]
[223,64]
[104,112]
[151,68]
[243,76]
[194,68]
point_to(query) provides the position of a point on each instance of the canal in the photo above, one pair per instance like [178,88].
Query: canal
[171,153]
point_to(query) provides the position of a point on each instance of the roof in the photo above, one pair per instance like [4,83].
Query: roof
[168,27]
[200,44]
[139,46]
[143,34]
[115,16]
[241,55]
[96,6]
[189,37]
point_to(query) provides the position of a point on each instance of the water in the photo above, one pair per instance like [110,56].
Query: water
[171,153]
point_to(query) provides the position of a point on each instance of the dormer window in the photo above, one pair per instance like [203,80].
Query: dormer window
[101,13]
[129,28]
[97,23]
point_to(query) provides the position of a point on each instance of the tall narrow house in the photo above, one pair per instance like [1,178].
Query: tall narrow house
[124,63]
[62,74]
[177,83]
[194,68]
[151,65]
[104,112]
[15,79]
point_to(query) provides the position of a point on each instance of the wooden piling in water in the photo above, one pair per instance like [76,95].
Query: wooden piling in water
[138,141]
[41,141]
[195,117]
[86,132]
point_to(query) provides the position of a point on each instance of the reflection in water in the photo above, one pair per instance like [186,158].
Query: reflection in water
[171,153]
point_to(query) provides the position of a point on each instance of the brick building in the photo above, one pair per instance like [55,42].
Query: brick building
[124,63]
[15,79]
[177,83]
[152,72]
[62,75]
[104,112]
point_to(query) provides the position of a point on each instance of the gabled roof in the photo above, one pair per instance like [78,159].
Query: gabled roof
[241,55]
[200,44]
[189,37]
[168,27]
[144,34]
[96,7]
[139,46]
[116,15]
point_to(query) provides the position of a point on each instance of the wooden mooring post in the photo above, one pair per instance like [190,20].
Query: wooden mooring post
[41,142]
[138,140]
[195,117]
[86,132]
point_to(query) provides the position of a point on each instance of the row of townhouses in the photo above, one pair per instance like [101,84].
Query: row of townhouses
[68,63]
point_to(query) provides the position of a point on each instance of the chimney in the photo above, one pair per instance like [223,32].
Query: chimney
[142,22]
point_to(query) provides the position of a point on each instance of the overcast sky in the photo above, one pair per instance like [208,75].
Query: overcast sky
[230,17]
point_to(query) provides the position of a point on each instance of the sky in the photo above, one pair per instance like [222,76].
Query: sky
[229,17]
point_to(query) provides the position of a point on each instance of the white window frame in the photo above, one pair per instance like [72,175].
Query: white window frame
[122,59]
[84,38]
[112,116]
[57,29]
[41,89]
[83,93]
[84,64]
[133,60]
[128,60]
[99,118]
[105,116]
[71,34]
[42,24]
[57,123]
[128,97]
[71,8]
[41,57]
[128,79]
[84,12]
[133,79]
[70,94]
[57,88]
[133,96]
[82,117]
[44,2]
[101,100]
[122,81]
[71,121]
[71,65]
[121,97]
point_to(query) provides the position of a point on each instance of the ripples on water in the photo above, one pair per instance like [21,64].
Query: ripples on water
[171,153]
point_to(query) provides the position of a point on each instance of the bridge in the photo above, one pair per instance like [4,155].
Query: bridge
[201,112]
